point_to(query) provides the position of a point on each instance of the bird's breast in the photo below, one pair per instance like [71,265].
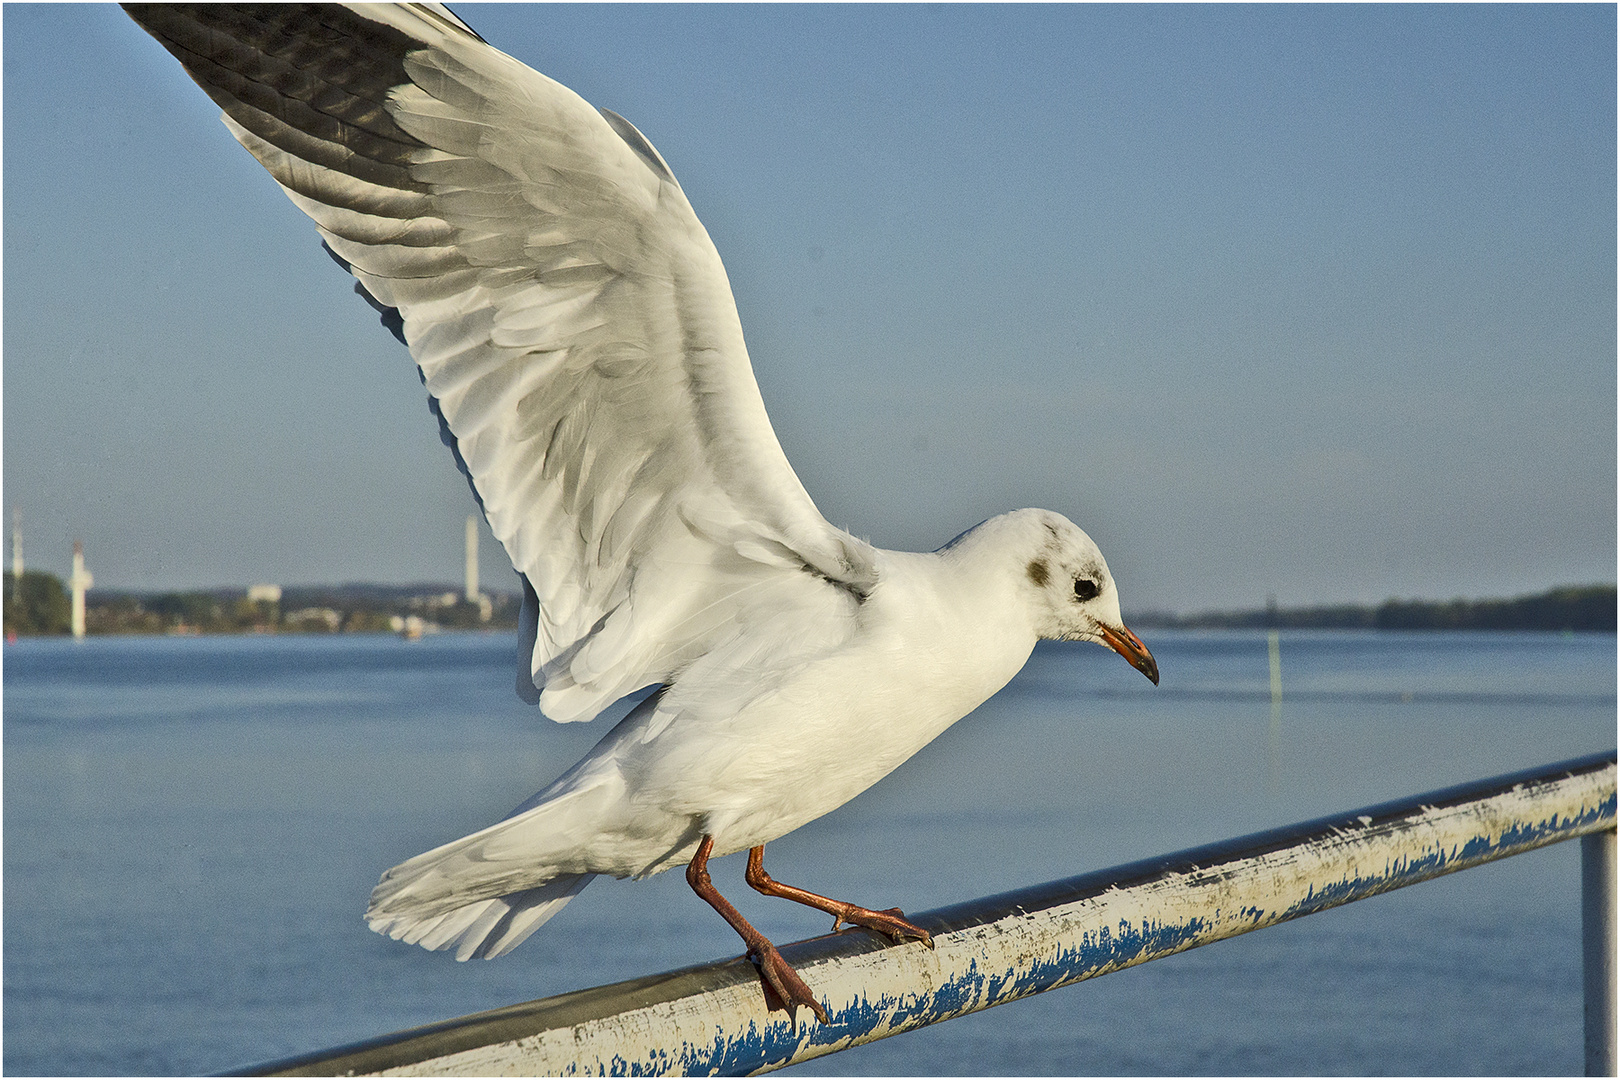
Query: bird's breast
[843,722]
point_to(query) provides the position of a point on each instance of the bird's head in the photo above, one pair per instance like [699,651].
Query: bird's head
[1071,592]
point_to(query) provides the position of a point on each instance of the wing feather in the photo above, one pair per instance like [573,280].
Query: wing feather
[569,316]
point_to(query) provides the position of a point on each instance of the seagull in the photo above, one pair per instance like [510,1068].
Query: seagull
[577,336]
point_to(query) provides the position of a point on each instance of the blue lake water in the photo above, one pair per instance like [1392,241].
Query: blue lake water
[192,827]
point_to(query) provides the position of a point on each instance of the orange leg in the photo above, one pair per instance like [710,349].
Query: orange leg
[891,922]
[780,978]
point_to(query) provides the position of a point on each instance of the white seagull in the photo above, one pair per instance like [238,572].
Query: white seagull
[575,327]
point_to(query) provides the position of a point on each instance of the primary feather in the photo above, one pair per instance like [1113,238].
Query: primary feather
[568,313]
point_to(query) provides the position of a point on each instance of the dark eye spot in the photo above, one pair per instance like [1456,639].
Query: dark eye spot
[1085,589]
[1037,572]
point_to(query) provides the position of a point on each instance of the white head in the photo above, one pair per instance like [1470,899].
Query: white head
[1064,579]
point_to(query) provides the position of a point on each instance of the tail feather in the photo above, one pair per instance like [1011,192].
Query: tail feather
[485,928]
[486,892]
[435,932]
[525,917]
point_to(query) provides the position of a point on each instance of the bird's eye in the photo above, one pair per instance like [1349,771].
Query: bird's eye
[1085,589]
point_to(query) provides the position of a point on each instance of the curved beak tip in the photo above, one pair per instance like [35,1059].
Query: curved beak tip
[1131,648]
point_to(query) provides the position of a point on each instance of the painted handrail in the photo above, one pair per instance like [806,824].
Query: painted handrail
[712,1019]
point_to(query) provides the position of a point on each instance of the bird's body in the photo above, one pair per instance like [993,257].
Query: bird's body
[934,639]
[576,333]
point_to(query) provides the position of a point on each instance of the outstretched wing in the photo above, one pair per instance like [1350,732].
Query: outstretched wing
[569,315]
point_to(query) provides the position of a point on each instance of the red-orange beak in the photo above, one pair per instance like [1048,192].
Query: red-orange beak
[1131,648]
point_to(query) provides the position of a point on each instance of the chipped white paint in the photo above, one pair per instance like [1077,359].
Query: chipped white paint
[713,1019]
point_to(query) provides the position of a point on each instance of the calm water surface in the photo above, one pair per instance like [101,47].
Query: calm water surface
[192,827]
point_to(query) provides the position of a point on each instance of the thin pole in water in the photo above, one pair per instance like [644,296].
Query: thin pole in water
[1274,648]
[1274,652]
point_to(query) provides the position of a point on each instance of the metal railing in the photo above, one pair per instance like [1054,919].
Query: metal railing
[711,1019]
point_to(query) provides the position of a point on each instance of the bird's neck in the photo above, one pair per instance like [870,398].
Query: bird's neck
[963,614]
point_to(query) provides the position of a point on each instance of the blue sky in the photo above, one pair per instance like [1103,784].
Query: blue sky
[1310,301]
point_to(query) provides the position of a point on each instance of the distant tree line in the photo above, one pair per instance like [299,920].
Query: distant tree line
[39,605]
[1577,608]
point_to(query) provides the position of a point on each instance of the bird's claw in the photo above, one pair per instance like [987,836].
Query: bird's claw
[890,922]
[783,987]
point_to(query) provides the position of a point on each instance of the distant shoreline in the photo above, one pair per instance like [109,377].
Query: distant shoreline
[38,608]
[1582,609]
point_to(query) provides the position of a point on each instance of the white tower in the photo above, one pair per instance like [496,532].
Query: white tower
[16,545]
[78,582]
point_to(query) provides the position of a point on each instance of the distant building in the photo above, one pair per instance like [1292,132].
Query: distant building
[330,617]
[269,594]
